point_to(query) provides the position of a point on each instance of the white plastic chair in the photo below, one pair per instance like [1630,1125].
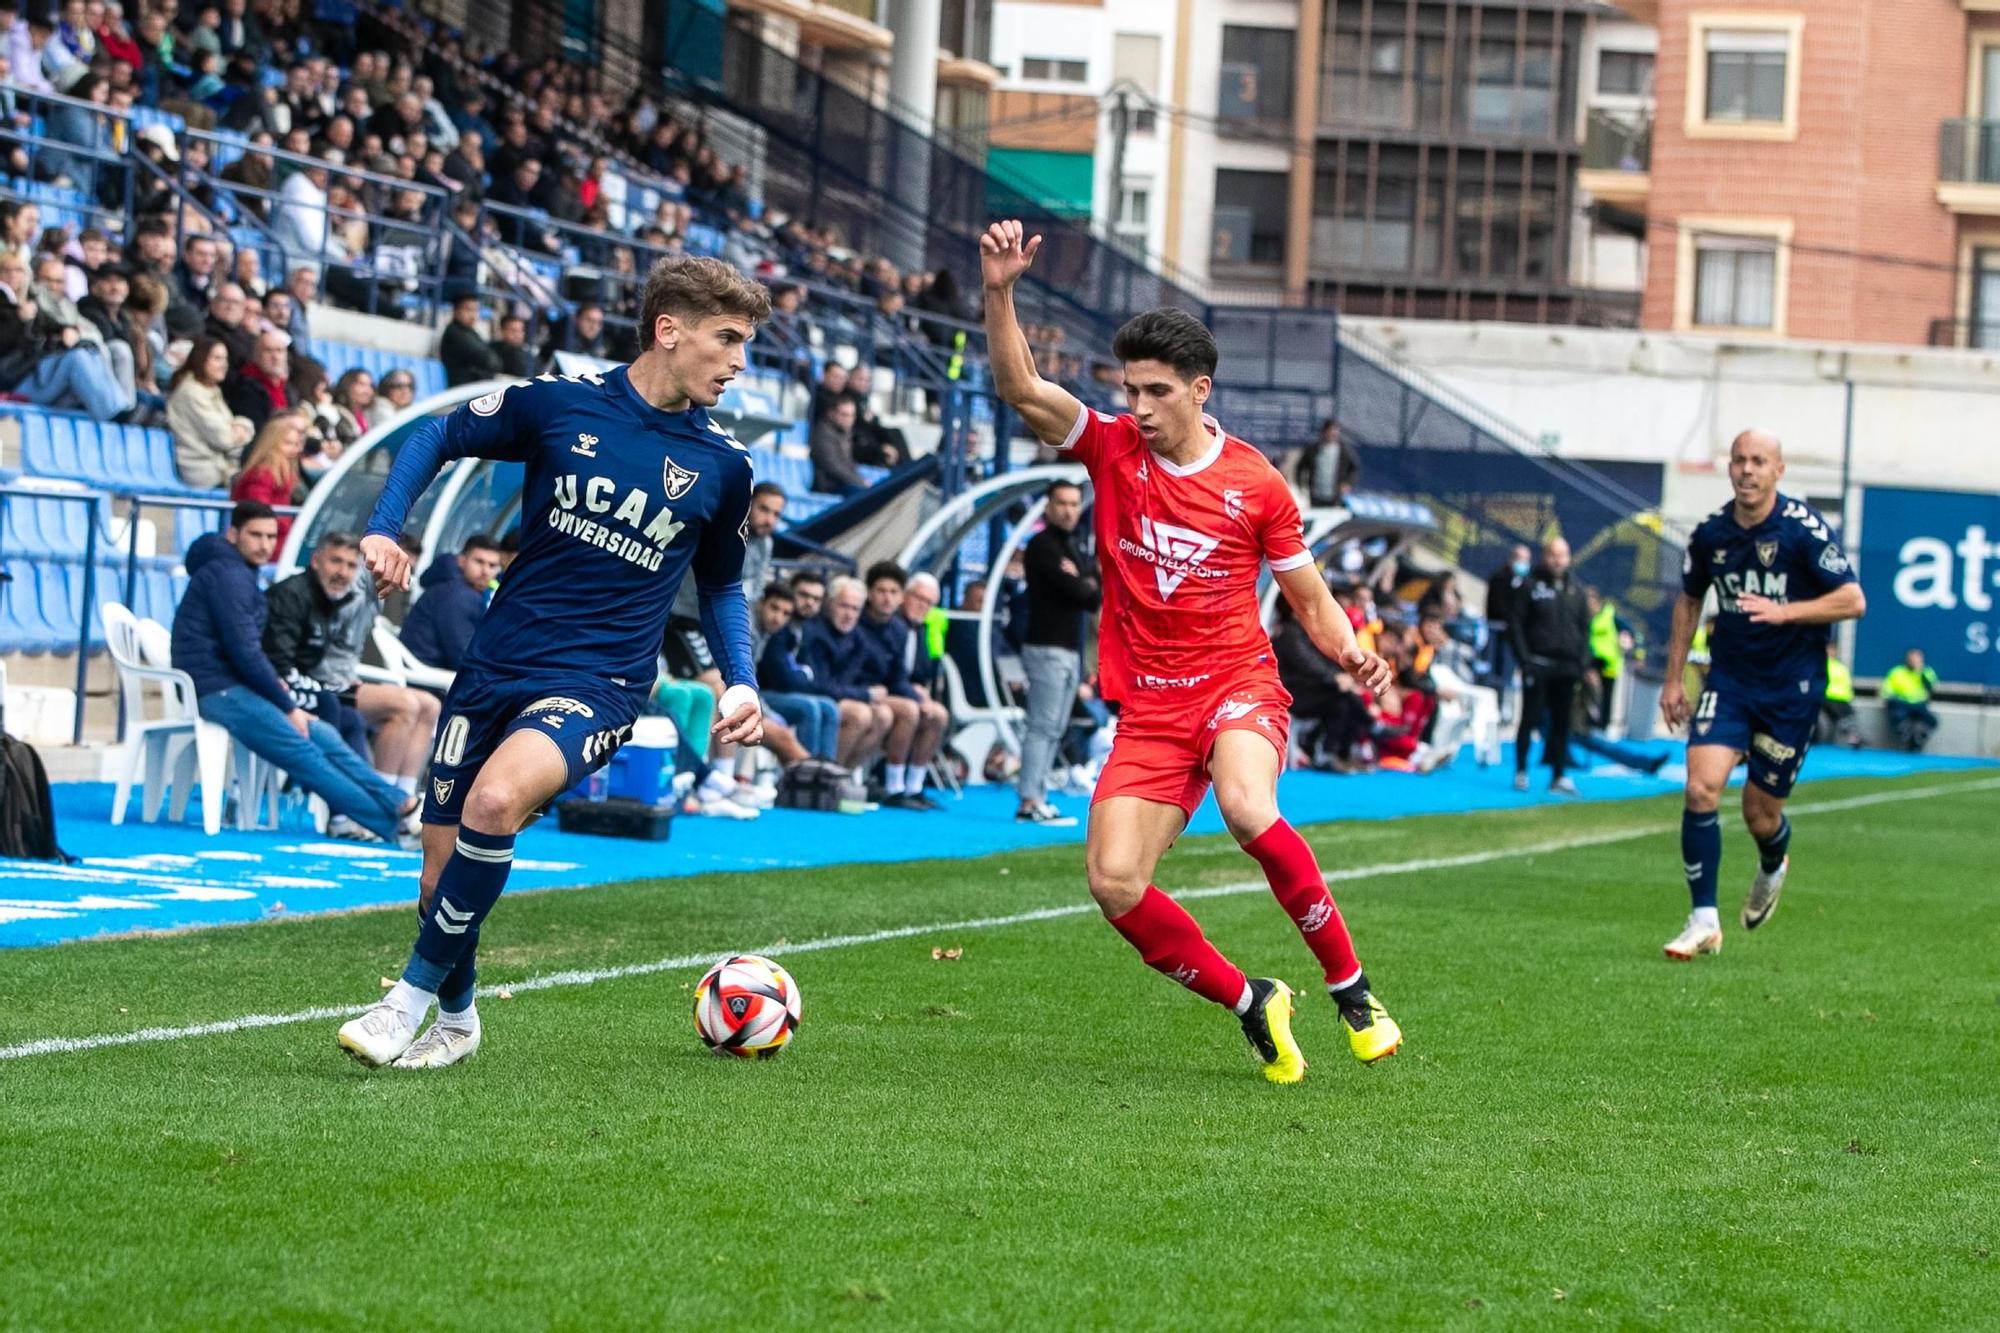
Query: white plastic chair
[259,786]
[175,740]
[402,665]
[1474,715]
[977,730]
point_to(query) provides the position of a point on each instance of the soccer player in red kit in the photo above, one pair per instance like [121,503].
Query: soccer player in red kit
[1185,515]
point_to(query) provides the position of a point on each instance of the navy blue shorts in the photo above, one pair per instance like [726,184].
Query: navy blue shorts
[587,718]
[1771,730]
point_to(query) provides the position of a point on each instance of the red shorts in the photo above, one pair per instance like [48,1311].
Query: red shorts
[1164,738]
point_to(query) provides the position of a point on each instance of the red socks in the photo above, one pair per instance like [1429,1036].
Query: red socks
[1170,942]
[1301,890]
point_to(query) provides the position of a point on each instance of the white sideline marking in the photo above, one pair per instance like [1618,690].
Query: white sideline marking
[583,977]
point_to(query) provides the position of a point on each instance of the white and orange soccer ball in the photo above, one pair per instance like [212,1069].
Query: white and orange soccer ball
[746,1006]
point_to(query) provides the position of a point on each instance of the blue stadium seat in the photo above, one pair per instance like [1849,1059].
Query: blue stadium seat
[44,525]
[191,524]
[339,357]
[21,628]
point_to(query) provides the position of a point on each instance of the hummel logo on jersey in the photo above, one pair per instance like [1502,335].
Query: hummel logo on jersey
[1767,552]
[678,480]
[441,788]
[585,445]
[452,920]
[1318,915]
[1175,553]
[1692,868]
[1184,975]
[1144,473]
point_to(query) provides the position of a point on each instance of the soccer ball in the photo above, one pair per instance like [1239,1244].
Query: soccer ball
[746,1006]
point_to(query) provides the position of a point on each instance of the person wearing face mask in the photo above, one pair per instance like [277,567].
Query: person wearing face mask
[1503,591]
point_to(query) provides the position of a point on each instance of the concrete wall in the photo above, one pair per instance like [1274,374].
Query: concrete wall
[1922,417]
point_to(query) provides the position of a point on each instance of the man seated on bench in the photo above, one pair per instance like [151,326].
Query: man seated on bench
[218,642]
[317,625]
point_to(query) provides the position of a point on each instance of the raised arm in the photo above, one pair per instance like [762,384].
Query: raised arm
[1050,410]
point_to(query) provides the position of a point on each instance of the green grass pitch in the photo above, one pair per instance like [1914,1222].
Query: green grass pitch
[1802,1132]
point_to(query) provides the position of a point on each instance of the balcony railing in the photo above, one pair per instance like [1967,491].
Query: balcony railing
[1614,143]
[1969,152]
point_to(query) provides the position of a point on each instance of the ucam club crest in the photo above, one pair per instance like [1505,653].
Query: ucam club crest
[678,480]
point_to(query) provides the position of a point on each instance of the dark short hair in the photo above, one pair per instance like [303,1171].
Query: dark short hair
[249,511]
[777,590]
[808,576]
[336,539]
[478,541]
[767,488]
[1172,337]
[1055,486]
[886,569]
[698,289]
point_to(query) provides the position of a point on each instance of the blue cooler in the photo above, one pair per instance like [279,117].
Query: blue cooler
[643,768]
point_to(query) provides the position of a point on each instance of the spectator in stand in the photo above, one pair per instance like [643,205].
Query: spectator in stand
[354,399]
[838,655]
[920,721]
[1552,638]
[126,348]
[833,452]
[227,325]
[466,164]
[396,394]
[318,623]
[192,283]
[468,358]
[208,436]
[263,386]
[271,468]
[808,597]
[517,359]
[583,334]
[767,508]
[832,387]
[301,225]
[1063,589]
[277,314]
[439,627]
[1441,598]
[1327,468]
[303,286]
[43,360]
[50,293]
[786,687]
[874,443]
[1503,593]
[313,399]
[218,640]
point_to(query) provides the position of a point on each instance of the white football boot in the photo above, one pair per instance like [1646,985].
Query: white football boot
[382,1032]
[442,1044]
[1764,891]
[1696,937]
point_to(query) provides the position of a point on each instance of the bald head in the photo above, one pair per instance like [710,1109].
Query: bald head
[1756,462]
[1555,556]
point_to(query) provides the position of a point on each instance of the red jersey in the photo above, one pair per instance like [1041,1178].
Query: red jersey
[1179,549]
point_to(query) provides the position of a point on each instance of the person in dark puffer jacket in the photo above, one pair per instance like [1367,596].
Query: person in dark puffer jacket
[218,642]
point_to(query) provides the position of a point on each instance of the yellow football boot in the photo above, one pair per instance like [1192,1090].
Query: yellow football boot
[1371,1033]
[1268,1025]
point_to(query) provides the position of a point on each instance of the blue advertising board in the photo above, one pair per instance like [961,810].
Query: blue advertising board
[1930,564]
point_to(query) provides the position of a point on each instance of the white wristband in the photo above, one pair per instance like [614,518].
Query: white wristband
[734,698]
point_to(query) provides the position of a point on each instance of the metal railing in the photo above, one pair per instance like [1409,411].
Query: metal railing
[1969,152]
[401,275]
[1617,143]
[71,140]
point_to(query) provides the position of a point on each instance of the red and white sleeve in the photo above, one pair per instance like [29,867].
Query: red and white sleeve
[1283,534]
[1086,437]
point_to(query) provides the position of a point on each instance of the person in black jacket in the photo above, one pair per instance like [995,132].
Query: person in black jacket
[1063,589]
[1503,590]
[1552,635]
[218,641]
[468,358]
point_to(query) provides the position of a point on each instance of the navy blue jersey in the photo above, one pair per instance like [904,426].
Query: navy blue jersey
[1791,556]
[619,502]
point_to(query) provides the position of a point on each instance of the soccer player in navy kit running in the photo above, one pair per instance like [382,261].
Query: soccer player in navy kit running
[1781,581]
[628,488]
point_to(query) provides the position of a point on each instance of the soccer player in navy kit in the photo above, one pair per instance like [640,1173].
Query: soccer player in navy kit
[1781,581]
[629,487]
